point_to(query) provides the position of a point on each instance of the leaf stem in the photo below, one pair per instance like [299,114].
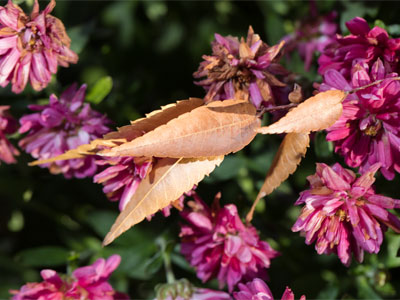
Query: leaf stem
[372,84]
[273,108]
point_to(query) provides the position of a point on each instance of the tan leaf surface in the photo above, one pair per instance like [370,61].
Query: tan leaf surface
[315,113]
[81,151]
[155,119]
[168,180]
[219,128]
[129,132]
[292,149]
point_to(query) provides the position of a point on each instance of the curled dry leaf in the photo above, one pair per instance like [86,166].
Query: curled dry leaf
[81,151]
[168,180]
[219,128]
[292,149]
[316,113]
[155,119]
[129,132]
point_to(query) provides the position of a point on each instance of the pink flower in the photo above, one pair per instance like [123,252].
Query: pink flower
[31,47]
[363,43]
[311,35]
[218,244]
[342,213]
[121,178]
[8,125]
[61,125]
[52,288]
[241,70]
[258,290]
[368,130]
[88,282]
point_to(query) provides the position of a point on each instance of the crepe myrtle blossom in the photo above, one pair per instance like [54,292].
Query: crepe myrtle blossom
[312,35]
[257,289]
[88,282]
[121,177]
[63,124]
[241,70]
[368,130]
[8,125]
[218,244]
[31,47]
[343,214]
[363,43]
[182,289]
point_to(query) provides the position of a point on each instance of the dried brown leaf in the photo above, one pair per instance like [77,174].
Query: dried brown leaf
[219,128]
[81,151]
[168,180]
[292,149]
[129,132]
[155,119]
[315,113]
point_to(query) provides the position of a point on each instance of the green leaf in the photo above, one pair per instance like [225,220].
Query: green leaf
[47,256]
[79,36]
[393,259]
[322,147]
[365,291]
[100,90]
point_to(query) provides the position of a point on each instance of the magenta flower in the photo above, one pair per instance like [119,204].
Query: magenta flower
[121,178]
[363,43]
[218,244]
[61,125]
[312,35]
[258,290]
[241,70]
[88,282]
[31,47]
[52,288]
[368,130]
[342,213]
[8,125]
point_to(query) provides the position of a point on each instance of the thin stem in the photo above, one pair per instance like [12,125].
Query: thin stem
[169,273]
[371,84]
[274,108]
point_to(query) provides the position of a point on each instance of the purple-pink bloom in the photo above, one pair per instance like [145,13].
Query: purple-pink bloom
[241,70]
[363,43]
[122,177]
[88,282]
[8,125]
[258,290]
[368,130]
[31,47]
[52,288]
[343,214]
[63,124]
[312,35]
[218,244]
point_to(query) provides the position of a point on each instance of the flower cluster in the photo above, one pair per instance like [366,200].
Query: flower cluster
[258,290]
[8,125]
[241,69]
[311,35]
[368,130]
[88,282]
[31,47]
[121,178]
[61,125]
[218,244]
[342,213]
[363,43]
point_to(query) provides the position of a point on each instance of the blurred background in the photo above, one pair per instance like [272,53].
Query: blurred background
[141,55]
